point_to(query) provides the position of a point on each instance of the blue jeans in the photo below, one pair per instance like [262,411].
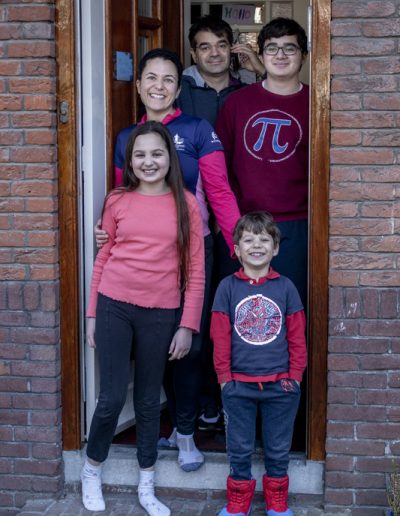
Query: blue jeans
[278,403]
[119,327]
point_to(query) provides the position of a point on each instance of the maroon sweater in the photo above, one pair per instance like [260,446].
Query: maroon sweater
[265,138]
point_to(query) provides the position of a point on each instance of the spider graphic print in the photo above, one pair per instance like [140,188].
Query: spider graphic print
[258,320]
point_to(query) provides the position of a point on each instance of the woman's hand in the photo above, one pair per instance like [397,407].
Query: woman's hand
[100,235]
[90,327]
[181,344]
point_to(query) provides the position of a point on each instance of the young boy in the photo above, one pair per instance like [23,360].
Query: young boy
[258,330]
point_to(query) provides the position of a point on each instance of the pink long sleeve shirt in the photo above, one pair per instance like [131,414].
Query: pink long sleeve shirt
[139,263]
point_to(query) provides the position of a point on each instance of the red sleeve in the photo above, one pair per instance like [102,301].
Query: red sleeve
[219,193]
[296,336]
[117,176]
[221,331]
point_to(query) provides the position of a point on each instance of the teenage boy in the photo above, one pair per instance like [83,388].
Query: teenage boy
[206,84]
[258,330]
[264,130]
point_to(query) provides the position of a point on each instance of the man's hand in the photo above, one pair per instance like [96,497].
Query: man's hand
[100,235]
[181,344]
[90,327]
[248,59]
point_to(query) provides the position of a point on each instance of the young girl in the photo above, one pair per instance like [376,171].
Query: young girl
[153,259]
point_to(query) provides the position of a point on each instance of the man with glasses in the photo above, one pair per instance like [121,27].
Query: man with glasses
[264,130]
[207,83]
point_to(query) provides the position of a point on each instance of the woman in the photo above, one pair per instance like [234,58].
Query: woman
[204,172]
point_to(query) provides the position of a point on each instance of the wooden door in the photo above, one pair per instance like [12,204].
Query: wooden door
[122,32]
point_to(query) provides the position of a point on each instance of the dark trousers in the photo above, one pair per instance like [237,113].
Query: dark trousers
[119,326]
[183,377]
[278,403]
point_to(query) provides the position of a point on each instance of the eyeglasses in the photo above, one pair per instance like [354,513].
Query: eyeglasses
[205,48]
[289,49]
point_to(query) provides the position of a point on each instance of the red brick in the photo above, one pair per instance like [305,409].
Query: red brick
[378,431]
[43,353]
[46,137]
[33,120]
[339,395]
[361,261]
[49,418]
[374,465]
[345,66]
[40,171]
[14,417]
[340,463]
[379,209]
[33,154]
[377,397]
[352,447]
[343,279]
[363,119]
[394,380]
[39,103]
[42,239]
[36,434]
[362,192]
[47,451]
[11,138]
[36,256]
[14,450]
[43,273]
[37,467]
[45,385]
[381,138]
[40,67]
[362,46]
[345,137]
[393,414]
[380,279]
[30,49]
[353,413]
[346,27]
[48,485]
[382,101]
[343,327]
[385,362]
[13,273]
[361,227]
[358,345]
[381,28]
[384,65]
[371,497]
[346,101]
[36,401]
[343,480]
[27,85]
[369,83]
[343,363]
[343,244]
[13,351]
[10,31]
[340,430]
[8,171]
[32,188]
[16,483]
[361,156]
[10,102]
[30,13]
[352,9]
[341,209]
[338,496]
[389,305]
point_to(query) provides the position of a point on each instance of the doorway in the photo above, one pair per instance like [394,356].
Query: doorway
[318,190]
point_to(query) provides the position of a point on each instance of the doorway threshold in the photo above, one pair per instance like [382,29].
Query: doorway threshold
[121,469]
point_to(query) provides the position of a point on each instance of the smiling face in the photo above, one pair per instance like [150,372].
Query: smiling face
[255,252]
[158,88]
[150,163]
[281,66]
[212,54]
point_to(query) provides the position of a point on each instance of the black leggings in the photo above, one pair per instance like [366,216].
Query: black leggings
[119,326]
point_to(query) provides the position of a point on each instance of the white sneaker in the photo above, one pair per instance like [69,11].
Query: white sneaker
[92,496]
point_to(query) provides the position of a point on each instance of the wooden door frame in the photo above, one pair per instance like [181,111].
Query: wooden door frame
[318,256]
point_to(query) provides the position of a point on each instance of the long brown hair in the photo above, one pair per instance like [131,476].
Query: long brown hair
[173,179]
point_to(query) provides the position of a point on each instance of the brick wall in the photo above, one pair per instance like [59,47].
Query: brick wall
[30,408]
[364,342]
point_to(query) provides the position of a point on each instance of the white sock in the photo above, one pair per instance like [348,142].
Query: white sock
[189,457]
[92,496]
[147,499]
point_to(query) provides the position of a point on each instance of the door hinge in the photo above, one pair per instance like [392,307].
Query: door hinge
[63,112]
